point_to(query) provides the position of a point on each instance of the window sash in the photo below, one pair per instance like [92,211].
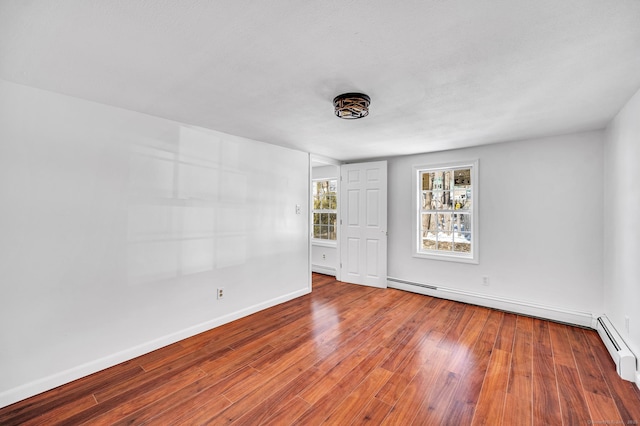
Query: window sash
[446,195]
[324,220]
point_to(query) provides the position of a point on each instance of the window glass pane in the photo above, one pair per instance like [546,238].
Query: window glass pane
[333,202]
[429,244]
[445,241]
[429,231]
[427,196]
[333,186]
[469,202]
[462,198]
[324,218]
[462,222]
[462,177]
[325,203]
[438,181]
[445,222]
[447,178]
[316,218]
[333,218]
[427,181]
[447,202]
[316,231]
[462,242]
[445,234]
[429,224]
[439,200]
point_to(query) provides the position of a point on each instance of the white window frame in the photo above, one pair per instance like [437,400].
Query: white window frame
[417,197]
[321,241]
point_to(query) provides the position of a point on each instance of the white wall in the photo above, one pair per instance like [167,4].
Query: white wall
[324,259]
[324,255]
[117,228]
[541,227]
[622,230]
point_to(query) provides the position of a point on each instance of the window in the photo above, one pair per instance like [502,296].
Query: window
[325,205]
[446,223]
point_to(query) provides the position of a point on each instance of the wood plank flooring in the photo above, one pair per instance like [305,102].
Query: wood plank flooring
[347,354]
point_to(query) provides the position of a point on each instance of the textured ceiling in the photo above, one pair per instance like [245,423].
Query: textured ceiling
[441,74]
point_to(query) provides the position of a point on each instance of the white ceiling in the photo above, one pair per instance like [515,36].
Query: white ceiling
[442,74]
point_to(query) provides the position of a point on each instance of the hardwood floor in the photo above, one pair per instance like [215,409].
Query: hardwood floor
[347,354]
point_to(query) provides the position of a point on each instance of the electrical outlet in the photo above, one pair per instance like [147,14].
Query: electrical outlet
[324,256]
[626,324]
[220,292]
[298,209]
[485,280]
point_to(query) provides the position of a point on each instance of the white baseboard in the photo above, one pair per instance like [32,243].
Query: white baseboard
[323,270]
[584,319]
[35,387]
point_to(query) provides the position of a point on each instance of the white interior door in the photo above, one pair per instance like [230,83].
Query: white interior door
[363,208]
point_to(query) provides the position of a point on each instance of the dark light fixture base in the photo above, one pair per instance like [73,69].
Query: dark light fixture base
[351,105]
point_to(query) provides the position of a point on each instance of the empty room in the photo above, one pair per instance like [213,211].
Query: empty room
[336,212]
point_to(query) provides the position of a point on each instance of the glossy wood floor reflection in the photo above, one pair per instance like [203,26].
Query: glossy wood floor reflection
[347,354]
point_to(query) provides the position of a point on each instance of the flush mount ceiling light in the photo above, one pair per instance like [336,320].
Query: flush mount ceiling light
[352,105]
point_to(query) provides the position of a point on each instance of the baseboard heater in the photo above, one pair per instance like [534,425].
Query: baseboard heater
[624,359]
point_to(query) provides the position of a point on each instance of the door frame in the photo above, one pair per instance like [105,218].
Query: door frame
[320,161]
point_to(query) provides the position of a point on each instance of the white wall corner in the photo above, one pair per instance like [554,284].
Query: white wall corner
[594,320]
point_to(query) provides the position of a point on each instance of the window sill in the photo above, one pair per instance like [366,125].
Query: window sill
[447,257]
[324,243]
